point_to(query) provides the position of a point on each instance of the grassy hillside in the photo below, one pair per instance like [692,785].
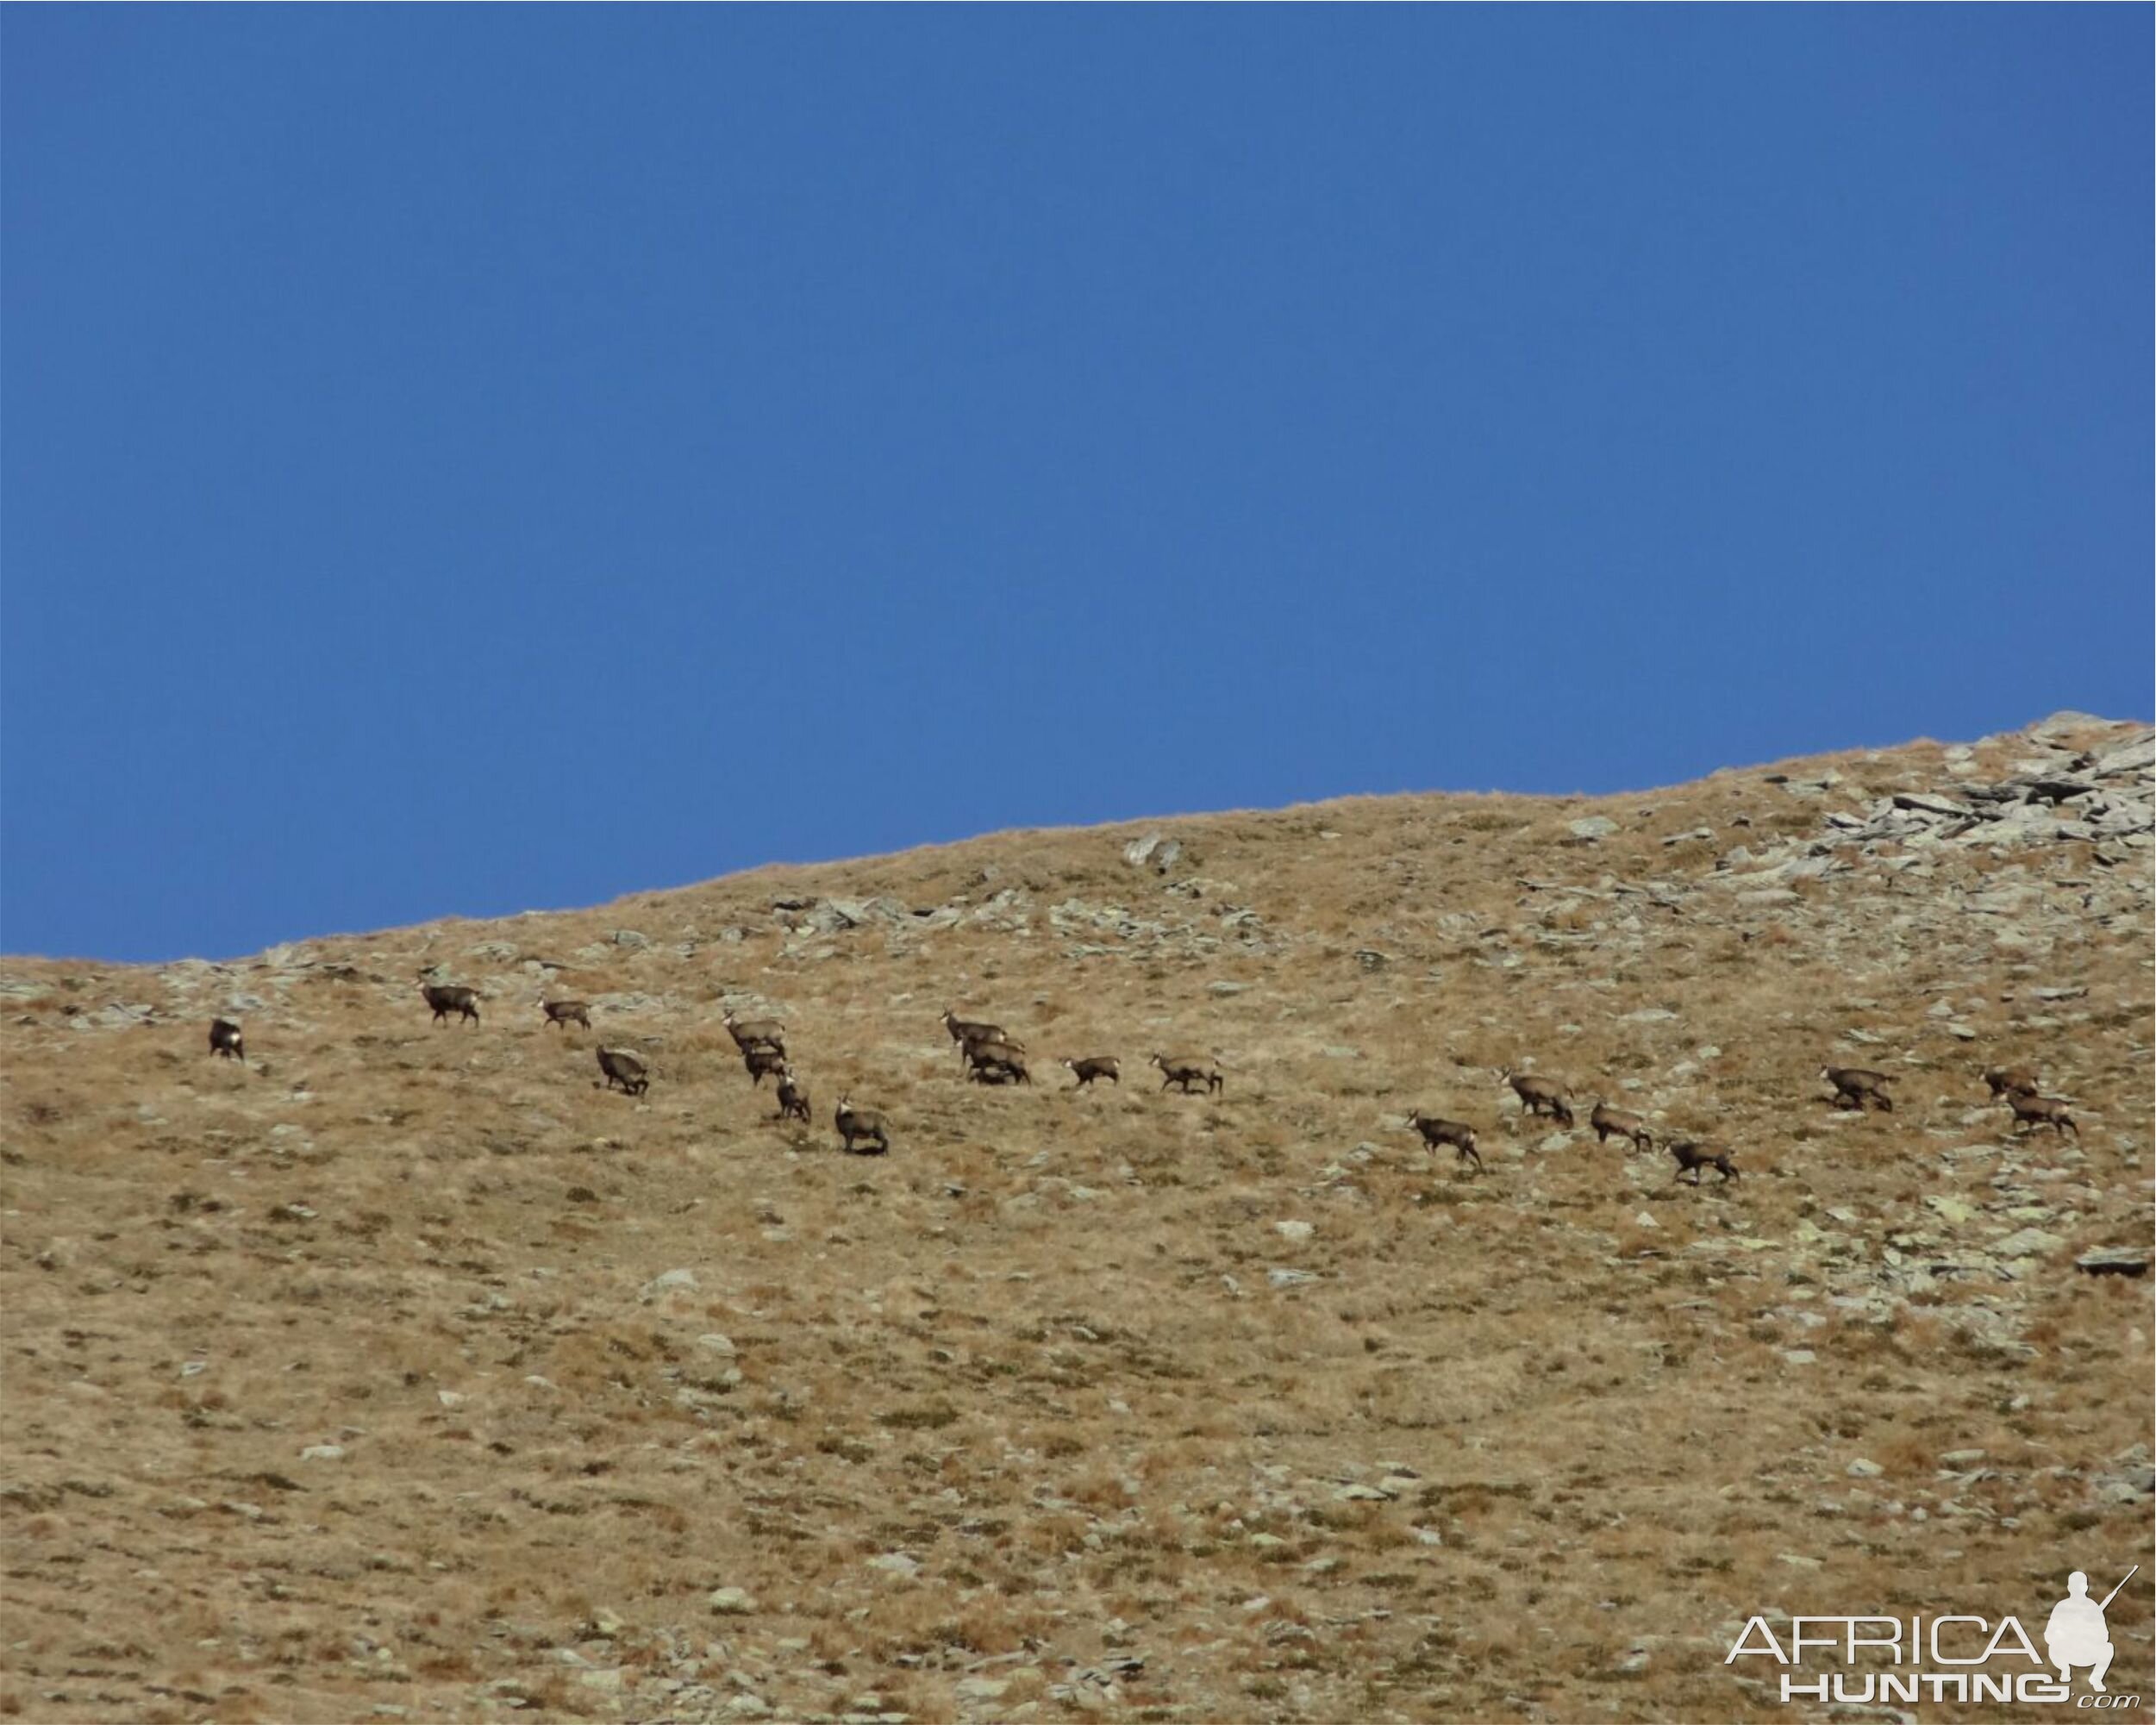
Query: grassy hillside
[402,1372]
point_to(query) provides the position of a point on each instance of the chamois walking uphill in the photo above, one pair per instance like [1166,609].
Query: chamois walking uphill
[224,1040]
[793,1097]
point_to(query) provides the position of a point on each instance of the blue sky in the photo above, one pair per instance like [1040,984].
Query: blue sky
[455,460]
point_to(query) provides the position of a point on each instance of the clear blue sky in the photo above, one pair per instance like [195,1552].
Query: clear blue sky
[466,459]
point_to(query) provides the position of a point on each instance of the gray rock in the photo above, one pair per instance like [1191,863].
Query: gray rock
[2114,1260]
[1592,830]
[1154,852]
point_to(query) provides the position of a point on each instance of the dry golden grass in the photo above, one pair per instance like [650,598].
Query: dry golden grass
[1039,1352]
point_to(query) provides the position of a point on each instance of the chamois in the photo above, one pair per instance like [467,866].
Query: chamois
[1617,1122]
[2030,1111]
[446,1000]
[793,1097]
[224,1039]
[763,1062]
[1854,1087]
[1456,1133]
[1096,1067]
[967,1030]
[565,1012]
[996,1063]
[2010,1081]
[624,1069]
[1696,1159]
[755,1033]
[1540,1095]
[1187,1072]
[860,1123]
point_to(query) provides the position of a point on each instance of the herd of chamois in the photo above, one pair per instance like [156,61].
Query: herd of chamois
[991,1055]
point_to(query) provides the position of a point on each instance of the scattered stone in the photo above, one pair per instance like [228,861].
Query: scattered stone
[669,1283]
[2114,1260]
[730,1602]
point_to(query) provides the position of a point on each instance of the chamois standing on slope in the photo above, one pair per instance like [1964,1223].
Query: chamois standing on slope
[1540,1095]
[1187,1072]
[224,1040]
[2010,1081]
[1694,1159]
[965,1032]
[565,1012]
[755,1033]
[1857,1087]
[860,1123]
[997,1063]
[793,1097]
[1617,1122]
[447,999]
[2032,1111]
[624,1069]
[763,1062]
[1096,1067]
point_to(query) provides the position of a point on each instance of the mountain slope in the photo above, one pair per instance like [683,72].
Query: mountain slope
[402,1367]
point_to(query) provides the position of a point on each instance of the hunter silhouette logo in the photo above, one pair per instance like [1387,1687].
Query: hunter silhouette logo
[1947,1656]
[2076,1634]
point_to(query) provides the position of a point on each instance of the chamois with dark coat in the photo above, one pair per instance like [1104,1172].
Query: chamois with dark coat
[1187,1072]
[445,999]
[224,1039]
[756,1032]
[793,1097]
[1096,1067]
[997,1063]
[624,1069]
[1696,1159]
[1540,1095]
[1617,1122]
[763,1062]
[965,1031]
[860,1123]
[2010,1081]
[2032,1111]
[566,1012]
[1857,1087]
[1456,1133]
